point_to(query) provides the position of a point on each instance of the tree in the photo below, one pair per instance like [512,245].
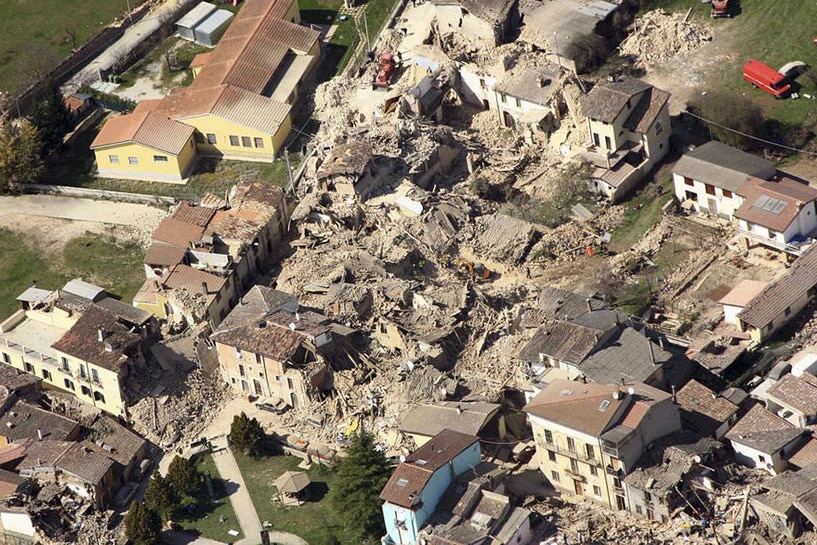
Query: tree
[731,110]
[161,497]
[246,434]
[52,118]
[142,525]
[20,154]
[354,499]
[183,476]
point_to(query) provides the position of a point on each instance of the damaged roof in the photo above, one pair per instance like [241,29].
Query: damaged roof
[589,408]
[566,305]
[536,86]
[606,101]
[671,458]
[272,340]
[348,158]
[82,340]
[563,341]
[763,431]
[492,11]
[462,416]
[258,302]
[631,356]
[115,441]
[703,409]
[783,292]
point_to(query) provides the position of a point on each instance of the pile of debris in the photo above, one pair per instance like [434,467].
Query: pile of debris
[658,35]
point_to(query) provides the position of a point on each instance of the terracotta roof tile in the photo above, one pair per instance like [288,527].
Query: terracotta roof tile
[146,128]
[589,408]
[763,430]
[796,392]
[607,100]
[773,204]
[25,421]
[743,293]
[162,254]
[177,233]
[806,455]
[703,408]
[82,340]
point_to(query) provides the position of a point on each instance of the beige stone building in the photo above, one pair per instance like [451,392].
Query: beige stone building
[589,436]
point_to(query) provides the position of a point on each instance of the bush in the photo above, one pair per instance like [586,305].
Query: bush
[732,112]
[588,52]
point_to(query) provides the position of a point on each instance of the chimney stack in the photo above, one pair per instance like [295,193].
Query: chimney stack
[652,354]
[39,434]
[674,399]
[589,306]
[204,287]
[100,335]
[661,342]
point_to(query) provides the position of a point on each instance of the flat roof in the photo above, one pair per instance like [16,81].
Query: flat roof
[214,21]
[745,291]
[196,15]
[36,335]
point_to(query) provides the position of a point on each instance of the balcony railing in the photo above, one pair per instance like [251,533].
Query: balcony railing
[576,454]
[793,249]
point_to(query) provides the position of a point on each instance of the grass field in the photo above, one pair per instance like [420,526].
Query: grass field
[37,35]
[204,520]
[771,31]
[113,265]
[312,521]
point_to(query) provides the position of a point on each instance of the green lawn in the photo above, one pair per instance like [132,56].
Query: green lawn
[113,265]
[37,35]
[205,520]
[312,521]
[771,31]
[643,210]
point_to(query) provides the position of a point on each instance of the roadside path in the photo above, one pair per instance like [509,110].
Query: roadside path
[51,206]
[240,498]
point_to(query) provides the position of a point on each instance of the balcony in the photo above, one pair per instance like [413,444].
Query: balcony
[575,476]
[574,454]
[795,248]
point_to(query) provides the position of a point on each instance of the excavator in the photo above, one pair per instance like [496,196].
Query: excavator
[475,271]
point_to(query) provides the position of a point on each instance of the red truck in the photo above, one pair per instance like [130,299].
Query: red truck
[720,8]
[766,78]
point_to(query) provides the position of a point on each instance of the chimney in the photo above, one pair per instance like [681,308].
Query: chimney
[39,434]
[589,306]
[459,409]
[652,355]
[100,334]
[674,399]
[204,287]
[622,382]
[661,342]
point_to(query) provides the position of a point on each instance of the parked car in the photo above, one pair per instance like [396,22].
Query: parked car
[276,408]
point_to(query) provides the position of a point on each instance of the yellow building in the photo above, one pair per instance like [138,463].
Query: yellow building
[589,436]
[73,344]
[238,106]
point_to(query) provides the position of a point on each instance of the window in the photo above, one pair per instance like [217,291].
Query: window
[588,449]
[761,458]
[211,138]
[596,490]
[259,142]
[594,471]
[46,374]
[114,159]
[160,158]
[710,189]
[277,378]
[99,397]
[571,445]
[94,375]
[551,456]
[659,128]
[548,437]
[574,466]
[502,97]
[198,138]
[554,475]
[258,359]
[246,141]
[482,83]
[290,384]
[241,371]
[133,161]
[238,354]
[647,497]
[85,390]
[787,311]
[28,367]
[689,181]
[6,358]
[616,482]
[64,364]
[596,141]
[518,103]
[608,143]
[233,140]
[82,371]
[68,384]
[726,193]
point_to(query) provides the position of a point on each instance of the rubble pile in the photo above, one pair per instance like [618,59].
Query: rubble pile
[658,35]
[182,410]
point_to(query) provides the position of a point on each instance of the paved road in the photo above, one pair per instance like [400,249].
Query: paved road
[240,499]
[138,215]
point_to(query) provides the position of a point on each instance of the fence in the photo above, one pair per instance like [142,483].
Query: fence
[102,194]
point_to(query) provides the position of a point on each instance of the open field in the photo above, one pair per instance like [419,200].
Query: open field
[768,30]
[103,260]
[37,35]
[312,520]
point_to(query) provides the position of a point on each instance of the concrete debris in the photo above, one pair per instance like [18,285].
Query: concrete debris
[658,35]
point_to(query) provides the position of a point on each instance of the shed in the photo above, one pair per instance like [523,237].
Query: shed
[210,30]
[293,487]
[194,17]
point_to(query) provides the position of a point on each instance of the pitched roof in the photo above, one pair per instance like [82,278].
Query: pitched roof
[441,449]
[82,461]
[186,277]
[466,417]
[292,482]
[14,379]
[536,86]
[82,340]
[405,485]
[42,453]
[774,205]
[111,439]
[565,305]
[722,166]
[177,233]
[270,340]
[26,421]
[146,128]
[783,292]
[743,293]
[125,313]
[565,341]
[589,408]
[805,455]
[796,392]
[763,430]
[163,254]
[606,101]
[631,356]
[257,303]
[647,110]
[703,410]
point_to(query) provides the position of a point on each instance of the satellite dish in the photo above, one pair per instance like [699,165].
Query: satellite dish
[631,390]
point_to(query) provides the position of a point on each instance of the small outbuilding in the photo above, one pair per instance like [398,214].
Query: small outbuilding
[293,487]
[194,17]
[209,31]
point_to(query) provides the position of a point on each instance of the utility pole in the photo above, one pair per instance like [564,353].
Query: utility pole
[289,172]
[366,26]
[130,17]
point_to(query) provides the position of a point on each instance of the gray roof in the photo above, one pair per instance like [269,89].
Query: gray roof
[565,305]
[763,431]
[84,289]
[33,295]
[196,15]
[125,312]
[632,357]
[214,21]
[722,166]
[464,417]
[512,524]
[670,458]
[783,292]
[257,303]
[607,100]
[564,341]
[529,85]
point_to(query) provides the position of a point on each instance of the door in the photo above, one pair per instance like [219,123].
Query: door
[579,488]
[294,399]
[620,504]
[712,204]
[257,385]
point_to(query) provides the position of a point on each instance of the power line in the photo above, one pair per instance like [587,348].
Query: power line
[797,150]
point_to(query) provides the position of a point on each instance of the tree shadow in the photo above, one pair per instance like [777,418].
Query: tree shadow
[319,16]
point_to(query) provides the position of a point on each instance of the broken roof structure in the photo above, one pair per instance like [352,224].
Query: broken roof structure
[606,101]
[704,411]
[466,417]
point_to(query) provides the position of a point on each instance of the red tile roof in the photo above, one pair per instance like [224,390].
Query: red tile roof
[146,128]
[162,254]
[82,340]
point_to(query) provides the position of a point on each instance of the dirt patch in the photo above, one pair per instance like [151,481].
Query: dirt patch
[52,234]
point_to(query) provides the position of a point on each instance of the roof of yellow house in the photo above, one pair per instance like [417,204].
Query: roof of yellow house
[146,128]
[228,102]
[201,59]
